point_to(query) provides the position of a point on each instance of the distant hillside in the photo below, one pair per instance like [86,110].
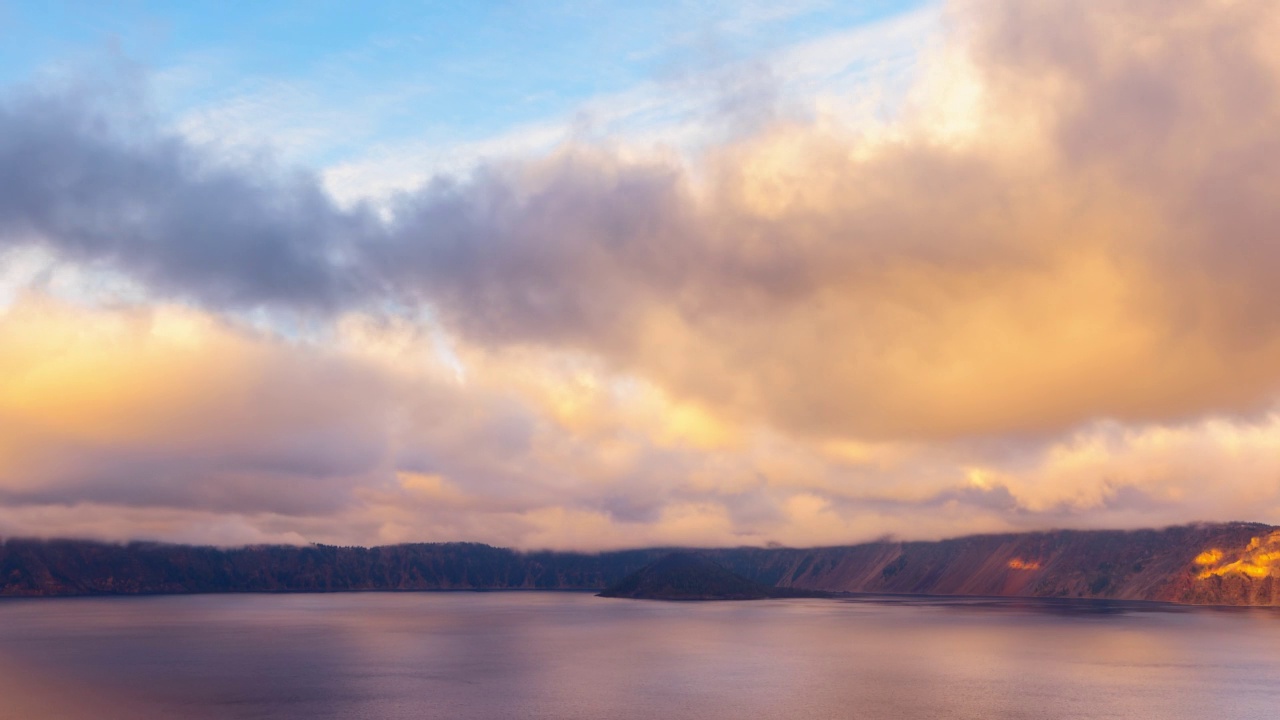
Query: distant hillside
[74,567]
[1222,564]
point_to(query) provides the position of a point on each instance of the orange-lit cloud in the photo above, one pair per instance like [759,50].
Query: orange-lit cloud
[1081,237]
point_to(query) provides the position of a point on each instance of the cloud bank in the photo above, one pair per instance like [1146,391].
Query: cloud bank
[1040,295]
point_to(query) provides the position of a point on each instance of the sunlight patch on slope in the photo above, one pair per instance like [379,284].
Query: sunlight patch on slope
[1260,559]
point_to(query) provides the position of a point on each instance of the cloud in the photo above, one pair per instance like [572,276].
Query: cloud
[1090,243]
[99,185]
[170,407]
[1039,295]
[169,423]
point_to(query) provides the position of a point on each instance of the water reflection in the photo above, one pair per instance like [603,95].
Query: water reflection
[1046,606]
[568,655]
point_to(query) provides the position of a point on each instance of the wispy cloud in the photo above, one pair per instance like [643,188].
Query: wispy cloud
[686,112]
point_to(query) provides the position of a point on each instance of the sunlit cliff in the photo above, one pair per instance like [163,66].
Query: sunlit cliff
[1219,564]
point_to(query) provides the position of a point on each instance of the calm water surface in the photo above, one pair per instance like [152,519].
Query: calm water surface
[569,655]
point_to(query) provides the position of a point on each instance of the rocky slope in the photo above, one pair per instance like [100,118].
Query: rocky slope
[1221,564]
[1226,564]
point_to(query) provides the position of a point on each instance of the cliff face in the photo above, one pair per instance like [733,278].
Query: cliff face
[1231,564]
[1225,564]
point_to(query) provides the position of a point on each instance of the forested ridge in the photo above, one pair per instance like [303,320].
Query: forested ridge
[1226,564]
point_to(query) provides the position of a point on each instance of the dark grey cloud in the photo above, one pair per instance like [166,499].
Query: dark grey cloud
[571,258]
[101,185]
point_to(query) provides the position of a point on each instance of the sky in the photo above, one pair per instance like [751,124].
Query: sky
[573,275]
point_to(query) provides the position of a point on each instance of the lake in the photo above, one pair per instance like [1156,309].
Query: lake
[572,655]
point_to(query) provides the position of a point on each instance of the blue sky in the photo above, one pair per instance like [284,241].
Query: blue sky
[327,83]
[713,273]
